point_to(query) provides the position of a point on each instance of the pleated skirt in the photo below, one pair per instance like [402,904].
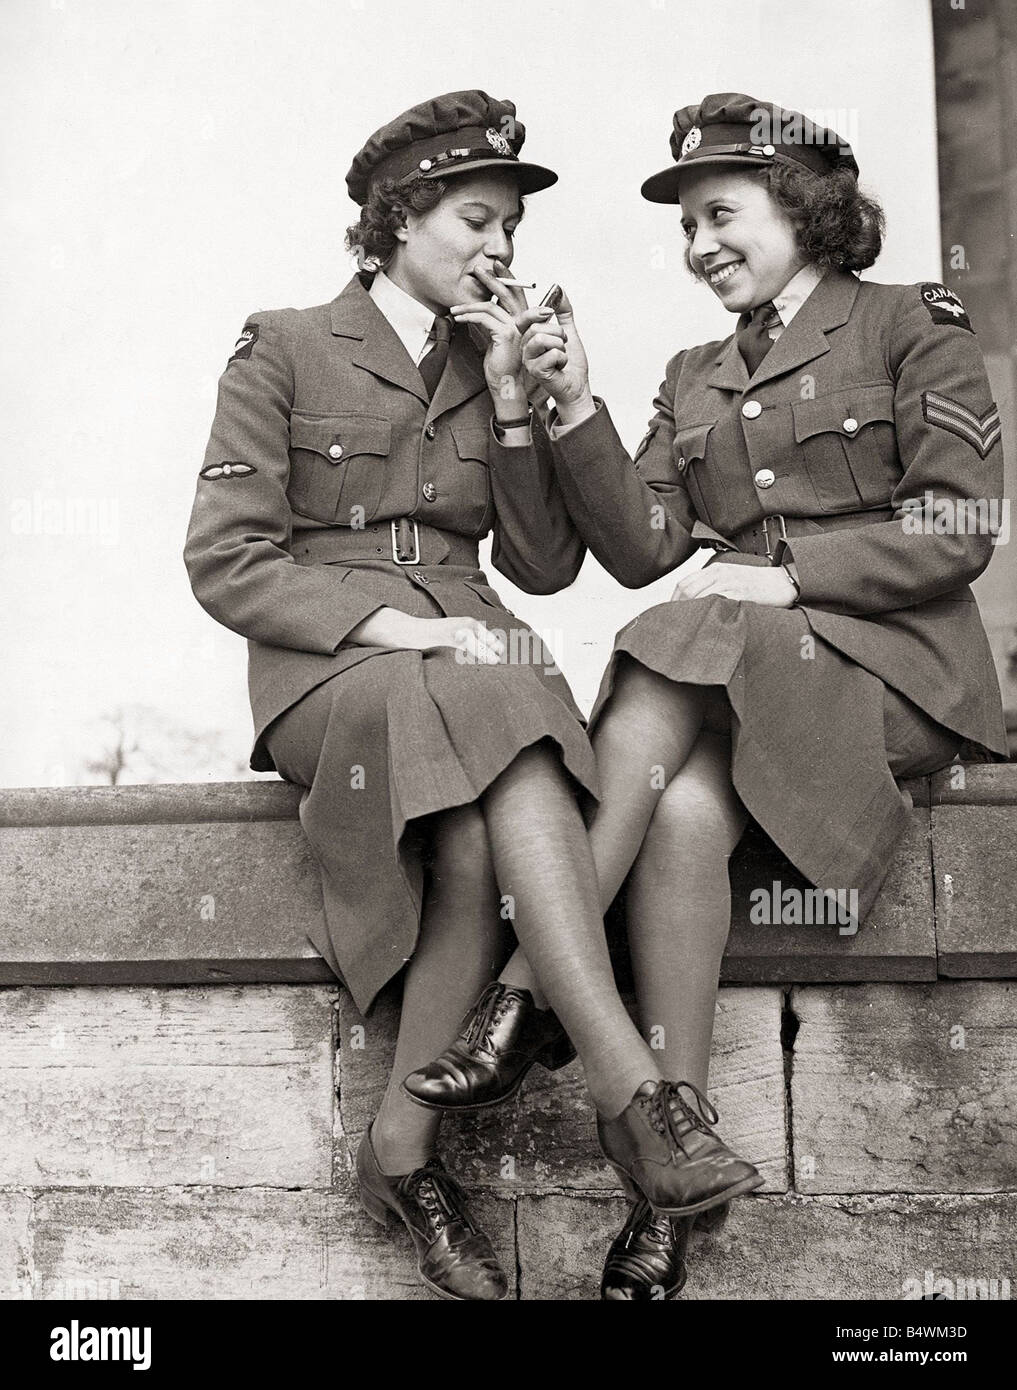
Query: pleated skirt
[394,739]
[817,741]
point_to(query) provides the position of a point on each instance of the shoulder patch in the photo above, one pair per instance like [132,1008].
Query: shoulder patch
[645,443]
[944,306]
[212,472]
[244,345]
[980,431]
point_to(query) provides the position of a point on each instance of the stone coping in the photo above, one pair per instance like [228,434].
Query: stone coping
[214,882]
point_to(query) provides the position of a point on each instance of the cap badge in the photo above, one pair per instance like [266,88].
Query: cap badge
[692,141]
[498,142]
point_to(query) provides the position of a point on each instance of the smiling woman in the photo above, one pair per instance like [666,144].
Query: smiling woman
[826,222]
[827,650]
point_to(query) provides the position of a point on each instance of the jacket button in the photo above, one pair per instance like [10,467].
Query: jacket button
[430,491]
[682,465]
[850,424]
[752,409]
[430,431]
[422,577]
[335,451]
[765,478]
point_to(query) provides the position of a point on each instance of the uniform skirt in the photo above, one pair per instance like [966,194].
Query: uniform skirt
[396,738]
[817,741]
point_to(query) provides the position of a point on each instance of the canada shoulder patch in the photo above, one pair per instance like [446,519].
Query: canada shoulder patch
[244,345]
[944,306]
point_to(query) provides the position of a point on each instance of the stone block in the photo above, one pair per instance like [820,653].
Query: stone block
[782,1248]
[895,942]
[136,1087]
[235,1244]
[905,1088]
[158,903]
[16,1281]
[975,863]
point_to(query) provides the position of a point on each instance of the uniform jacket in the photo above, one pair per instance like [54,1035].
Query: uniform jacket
[323,427]
[872,395]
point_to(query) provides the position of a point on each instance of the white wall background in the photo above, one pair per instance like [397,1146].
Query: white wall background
[169,166]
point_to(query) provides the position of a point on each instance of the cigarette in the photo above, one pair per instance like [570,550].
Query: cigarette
[519,284]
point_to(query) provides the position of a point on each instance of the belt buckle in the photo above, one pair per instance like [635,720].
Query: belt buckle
[415,557]
[766,533]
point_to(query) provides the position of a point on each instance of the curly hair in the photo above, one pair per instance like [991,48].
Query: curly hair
[836,225]
[373,238]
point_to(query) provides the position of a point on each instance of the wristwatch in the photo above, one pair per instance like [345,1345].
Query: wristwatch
[514,424]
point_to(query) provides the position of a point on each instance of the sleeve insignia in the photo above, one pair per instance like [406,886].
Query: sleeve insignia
[944,306]
[212,472]
[244,345]
[644,443]
[980,431]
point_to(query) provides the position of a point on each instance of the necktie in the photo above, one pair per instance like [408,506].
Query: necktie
[433,363]
[753,336]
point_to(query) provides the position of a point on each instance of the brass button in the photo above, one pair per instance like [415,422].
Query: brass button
[765,478]
[430,431]
[751,410]
[335,451]
[682,465]
[850,424]
[422,577]
[430,491]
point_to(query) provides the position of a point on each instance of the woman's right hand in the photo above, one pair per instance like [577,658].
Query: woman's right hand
[474,643]
[554,355]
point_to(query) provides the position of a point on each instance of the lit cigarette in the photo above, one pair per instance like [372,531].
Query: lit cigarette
[519,284]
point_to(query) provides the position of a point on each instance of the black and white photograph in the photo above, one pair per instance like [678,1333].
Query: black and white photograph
[510,666]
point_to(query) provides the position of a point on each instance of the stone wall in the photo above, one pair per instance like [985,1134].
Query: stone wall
[182,1087]
[976,105]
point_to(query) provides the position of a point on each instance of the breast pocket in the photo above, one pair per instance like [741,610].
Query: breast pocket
[475,510]
[689,453]
[849,447]
[338,464]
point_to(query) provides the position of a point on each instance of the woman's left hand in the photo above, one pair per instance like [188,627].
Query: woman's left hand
[503,323]
[769,584]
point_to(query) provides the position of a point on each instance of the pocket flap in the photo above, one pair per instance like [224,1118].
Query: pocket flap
[339,437]
[485,592]
[471,442]
[690,443]
[844,412]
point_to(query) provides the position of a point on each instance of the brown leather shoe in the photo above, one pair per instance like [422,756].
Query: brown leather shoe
[664,1150]
[454,1257]
[500,1039]
[646,1261]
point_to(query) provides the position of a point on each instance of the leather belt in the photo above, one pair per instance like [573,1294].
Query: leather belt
[401,541]
[764,537]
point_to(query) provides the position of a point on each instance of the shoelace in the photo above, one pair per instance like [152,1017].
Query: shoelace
[487,1013]
[654,1224]
[440,1197]
[662,1104]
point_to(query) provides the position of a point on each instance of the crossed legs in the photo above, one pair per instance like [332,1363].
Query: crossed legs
[670,814]
[669,808]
